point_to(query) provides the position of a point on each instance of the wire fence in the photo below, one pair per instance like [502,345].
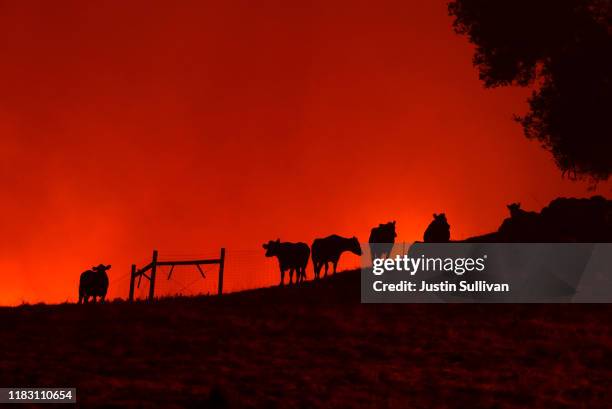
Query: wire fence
[244,269]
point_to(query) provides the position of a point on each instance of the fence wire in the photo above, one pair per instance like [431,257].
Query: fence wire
[245,269]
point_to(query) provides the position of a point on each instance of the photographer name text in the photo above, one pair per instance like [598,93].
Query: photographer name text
[442,287]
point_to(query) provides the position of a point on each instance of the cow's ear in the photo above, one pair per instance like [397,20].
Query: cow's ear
[278,240]
[108,267]
[435,215]
[265,246]
[394,222]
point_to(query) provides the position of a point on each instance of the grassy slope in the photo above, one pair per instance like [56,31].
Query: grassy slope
[314,346]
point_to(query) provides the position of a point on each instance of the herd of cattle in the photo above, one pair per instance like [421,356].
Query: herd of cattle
[293,257]
[563,220]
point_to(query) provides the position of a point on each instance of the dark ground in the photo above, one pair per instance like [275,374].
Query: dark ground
[312,347]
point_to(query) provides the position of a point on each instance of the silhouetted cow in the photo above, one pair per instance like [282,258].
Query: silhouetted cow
[93,283]
[382,239]
[515,210]
[291,256]
[521,226]
[438,230]
[330,249]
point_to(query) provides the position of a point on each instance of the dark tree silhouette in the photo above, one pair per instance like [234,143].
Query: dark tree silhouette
[564,49]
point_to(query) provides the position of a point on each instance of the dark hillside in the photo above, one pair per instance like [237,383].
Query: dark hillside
[313,346]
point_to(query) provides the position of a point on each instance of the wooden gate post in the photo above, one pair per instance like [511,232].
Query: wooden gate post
[221,267]
[132,279]
[153,271]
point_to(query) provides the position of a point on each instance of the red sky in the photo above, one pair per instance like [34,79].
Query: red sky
[188,125]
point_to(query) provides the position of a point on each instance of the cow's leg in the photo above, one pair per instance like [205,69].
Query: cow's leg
[335,266]
[301,271]
[326,267]
[94,299]
[282,271]
[316,268]
[291,275]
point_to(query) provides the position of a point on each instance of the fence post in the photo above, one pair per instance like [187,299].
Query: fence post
[132,279]
[221,267]
[153,271]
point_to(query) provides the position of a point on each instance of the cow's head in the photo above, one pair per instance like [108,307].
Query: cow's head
[271,247]
[440,219]
[101,268]
[389,229]
[514,208]
[354,246]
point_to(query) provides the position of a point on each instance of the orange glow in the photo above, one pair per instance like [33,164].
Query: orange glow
[128,126]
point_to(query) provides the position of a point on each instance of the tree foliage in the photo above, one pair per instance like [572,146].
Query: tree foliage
[564,49]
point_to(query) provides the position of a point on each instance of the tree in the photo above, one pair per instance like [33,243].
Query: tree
[563,48]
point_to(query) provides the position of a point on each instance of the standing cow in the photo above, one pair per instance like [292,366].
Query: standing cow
[93,283]
[330,249]
[382,239]
[291,256]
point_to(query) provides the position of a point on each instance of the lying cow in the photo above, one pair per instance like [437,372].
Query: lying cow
[291,256]
[438,230]
[93,283]
[330,249]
